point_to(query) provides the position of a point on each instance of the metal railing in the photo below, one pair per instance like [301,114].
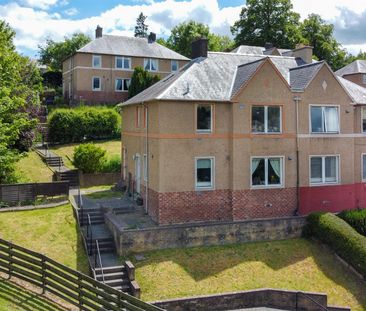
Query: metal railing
[89,235]
[100,260]
[310,299]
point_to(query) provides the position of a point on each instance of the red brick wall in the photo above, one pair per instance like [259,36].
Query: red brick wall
[153,204]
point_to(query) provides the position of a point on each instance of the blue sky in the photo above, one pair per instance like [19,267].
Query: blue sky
[36,20]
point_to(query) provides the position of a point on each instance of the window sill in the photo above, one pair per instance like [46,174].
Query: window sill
[266,133]
[326,133]
[204,131]
[96,90]
[324,184]
[117,91]
[199,189]
[266,187]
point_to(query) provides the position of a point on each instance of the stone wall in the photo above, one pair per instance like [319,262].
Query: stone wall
[279,299]
[203,234]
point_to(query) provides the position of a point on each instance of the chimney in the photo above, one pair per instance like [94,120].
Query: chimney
[304,52]
[98,32]
[268,46]
[152,37]
[199,48]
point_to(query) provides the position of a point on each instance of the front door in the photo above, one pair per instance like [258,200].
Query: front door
[137,172]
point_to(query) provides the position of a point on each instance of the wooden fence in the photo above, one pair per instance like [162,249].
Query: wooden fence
[64,282]
[15,193]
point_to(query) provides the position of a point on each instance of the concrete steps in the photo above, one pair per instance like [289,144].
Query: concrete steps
[71,176]
[115,277]
[96,216]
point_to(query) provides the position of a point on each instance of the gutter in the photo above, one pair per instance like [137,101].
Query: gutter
[146,108]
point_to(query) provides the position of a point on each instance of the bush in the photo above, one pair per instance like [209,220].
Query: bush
[112,165]
[82,124]
[355,218]
[341,237]
[89,158]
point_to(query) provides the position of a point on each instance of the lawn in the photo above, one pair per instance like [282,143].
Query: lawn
[113,147]
[51,231]
[292,264]
[31,168]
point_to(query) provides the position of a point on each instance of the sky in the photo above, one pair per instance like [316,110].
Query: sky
[36,20]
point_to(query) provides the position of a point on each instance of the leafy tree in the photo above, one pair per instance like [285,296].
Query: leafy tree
[52,54]
[89,158]
[264,21]
[19,94]
[141,28]
[141,80]
[320,35]
[183,34]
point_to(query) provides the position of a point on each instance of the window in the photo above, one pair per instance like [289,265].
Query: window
[97,61]
[364,78]
[123,62]
[324,119]
[267,172]
[122,85]
[364,167]
[266,119]
[204,173]
[151,64]
[324,169]
[96,84]
[204,118]
[363,116]
[145,166]
[174,65]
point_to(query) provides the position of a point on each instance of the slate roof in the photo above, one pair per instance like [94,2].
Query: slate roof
[258,50]
[358,66]
[129,46]
[358,93]
[301,76]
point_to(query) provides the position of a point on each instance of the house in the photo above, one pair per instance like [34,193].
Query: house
[100,72]
[355,72]
[235,136]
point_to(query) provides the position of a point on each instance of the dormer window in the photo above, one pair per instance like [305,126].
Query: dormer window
[97,61]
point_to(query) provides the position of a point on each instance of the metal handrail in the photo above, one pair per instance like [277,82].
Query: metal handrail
[100,260]
[311,299]
[89,231]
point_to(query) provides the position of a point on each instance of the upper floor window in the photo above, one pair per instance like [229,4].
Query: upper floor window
[151,64]
[174,65]
[266,119]
[96,84]
[267,171]
[363,116]
[122,85]
[364,78]
[205,173]
[97,61]
[324,169]
[324,119]
[204,118]
[123,62]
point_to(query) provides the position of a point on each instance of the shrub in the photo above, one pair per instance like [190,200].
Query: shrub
[83,123]
[355,218]
[89,158]
[112,165]
[341,237]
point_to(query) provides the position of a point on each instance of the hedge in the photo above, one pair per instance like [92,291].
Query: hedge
[82,124]
[355,218]
[341,237]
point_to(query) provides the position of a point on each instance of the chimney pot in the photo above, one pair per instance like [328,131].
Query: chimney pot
[152,37]
[98,32]
[199,48]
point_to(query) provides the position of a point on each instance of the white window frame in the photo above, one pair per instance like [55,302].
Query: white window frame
[123,62]
[364,78]
[145,163]
[203,131]
[100,83]
[171,65]
[362,178]
[115,85]
[100,61]
[151,59]
[324,182]
[266,119]
[323,106]
[212,186]
[268,186]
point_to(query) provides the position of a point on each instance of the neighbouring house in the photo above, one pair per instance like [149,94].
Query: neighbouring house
[354,72]
[100,72]
[235,136]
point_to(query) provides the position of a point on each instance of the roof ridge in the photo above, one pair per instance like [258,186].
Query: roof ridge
[255,61]
[246,54]
[308,65]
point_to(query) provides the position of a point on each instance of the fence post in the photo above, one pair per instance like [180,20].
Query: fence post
[80,279]
[43,274]
[10,260]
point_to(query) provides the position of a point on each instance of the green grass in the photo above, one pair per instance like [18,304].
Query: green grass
[104,194]
[15,297]
[31,168]
[292,264]
[51,231]
[113,148]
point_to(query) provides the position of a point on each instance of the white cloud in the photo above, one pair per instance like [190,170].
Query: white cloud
[71,11]
[40,4]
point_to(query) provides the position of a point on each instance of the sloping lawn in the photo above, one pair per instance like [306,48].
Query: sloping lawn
[292,264]
[51,231]
[113,148]
[31,168]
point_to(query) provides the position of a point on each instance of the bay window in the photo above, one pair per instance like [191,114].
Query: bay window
[205,173]
[266,119]
[324,169]
[266,171]
[324,119]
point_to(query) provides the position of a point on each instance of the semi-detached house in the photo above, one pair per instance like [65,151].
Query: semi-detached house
[238,135]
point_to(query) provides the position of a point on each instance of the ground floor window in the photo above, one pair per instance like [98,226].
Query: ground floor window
[364,167]
[324,169]
[96,84]
[205,173]
[267,171]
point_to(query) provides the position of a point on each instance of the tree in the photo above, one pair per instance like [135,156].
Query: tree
[183,34]
[52,54]
[141,80]
[319,35]
[141,28]
[263,21]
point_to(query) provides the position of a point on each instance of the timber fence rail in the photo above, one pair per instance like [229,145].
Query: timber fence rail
[64,282]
